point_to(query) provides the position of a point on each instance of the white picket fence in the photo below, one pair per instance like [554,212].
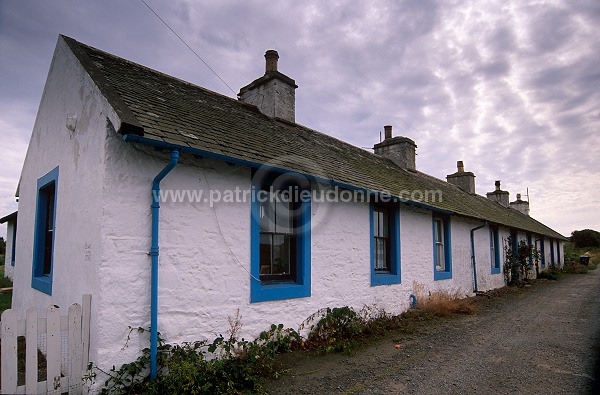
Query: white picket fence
[64,372]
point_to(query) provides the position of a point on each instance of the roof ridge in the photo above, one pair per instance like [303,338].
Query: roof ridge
[154,71]
[181,113]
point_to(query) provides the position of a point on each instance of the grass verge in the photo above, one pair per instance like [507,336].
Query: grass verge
[5,298]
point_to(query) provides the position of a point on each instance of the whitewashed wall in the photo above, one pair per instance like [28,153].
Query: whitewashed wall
[80,158]
[9,269]
[205,256]
[102,236]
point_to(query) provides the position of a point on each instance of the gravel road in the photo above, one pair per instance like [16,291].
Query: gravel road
[544,339]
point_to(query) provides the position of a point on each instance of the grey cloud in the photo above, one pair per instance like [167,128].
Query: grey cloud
[550,29]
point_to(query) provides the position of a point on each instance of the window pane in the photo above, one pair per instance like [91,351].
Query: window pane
[383,223]
[439,231]
[281,254]
[48,228]
[440,262]
[283,218]
[380,254]
[267,217]
[375,223]
[265,253]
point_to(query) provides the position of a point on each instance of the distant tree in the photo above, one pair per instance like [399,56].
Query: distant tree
[585,238]
[2,246]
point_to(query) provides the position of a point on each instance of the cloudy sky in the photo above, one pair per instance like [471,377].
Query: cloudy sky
[512,88]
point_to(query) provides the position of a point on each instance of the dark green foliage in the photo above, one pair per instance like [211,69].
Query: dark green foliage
[519,263]
[585,238]
[551,274]
[335,330]
[2,246]
[225,366]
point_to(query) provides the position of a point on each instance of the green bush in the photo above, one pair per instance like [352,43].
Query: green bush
[225,366]
[335,330]
[551,274]
[585,238]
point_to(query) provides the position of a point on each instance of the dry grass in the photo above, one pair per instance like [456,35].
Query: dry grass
[443,303]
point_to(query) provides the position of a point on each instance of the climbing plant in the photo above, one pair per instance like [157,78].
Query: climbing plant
[519,262]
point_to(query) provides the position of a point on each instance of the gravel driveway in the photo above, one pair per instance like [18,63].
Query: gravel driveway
[544,339]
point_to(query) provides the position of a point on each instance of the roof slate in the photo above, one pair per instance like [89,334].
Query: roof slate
[8,217]
[166,109]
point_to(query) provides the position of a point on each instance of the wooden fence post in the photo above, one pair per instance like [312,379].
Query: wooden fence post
[76,327]
[8,333]
[31,351]
[53,348]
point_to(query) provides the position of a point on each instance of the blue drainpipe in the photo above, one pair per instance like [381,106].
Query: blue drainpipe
[473,253]
[154,254]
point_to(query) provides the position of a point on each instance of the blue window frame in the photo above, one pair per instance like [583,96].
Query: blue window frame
[14,243]
[385,244]
[495,250]
[552,263]
[514,237]
[558,252]
[280,237]
[44,236]
[442,248]
[543,252]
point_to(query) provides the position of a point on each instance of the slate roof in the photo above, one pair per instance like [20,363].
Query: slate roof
[165,109]
[9,217]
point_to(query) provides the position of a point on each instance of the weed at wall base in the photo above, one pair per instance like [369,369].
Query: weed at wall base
[225,366]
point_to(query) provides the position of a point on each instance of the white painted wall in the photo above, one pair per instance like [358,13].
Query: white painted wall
[80,158]
[205,256]
[103,235]
[9,269]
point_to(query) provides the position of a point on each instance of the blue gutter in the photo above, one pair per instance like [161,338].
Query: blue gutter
[154,255]
[176,150]
[133,138]
[473,253]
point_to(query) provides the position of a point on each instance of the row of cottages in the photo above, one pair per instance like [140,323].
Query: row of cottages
[251,211]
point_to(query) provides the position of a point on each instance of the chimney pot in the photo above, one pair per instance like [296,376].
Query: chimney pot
[400,150]
[463,180]
[520,205]
[271,56]
[388,131]
[274,94]
[499,195]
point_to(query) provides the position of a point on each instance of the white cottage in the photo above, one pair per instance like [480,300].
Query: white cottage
[250,211]
[11,233]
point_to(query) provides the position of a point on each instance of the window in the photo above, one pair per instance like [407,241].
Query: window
[442,255]
[385,244]
[14,243]
[543,252]
[552,252]
[530,245]
[43,245]
[494,250]
[280,237]
[558,252]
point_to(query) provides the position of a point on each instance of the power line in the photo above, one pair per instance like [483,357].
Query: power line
[190,48]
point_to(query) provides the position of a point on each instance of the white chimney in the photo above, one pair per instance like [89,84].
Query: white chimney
[520,205]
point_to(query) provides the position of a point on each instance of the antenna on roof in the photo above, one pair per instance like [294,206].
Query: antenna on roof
[527,195]
[380,136]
